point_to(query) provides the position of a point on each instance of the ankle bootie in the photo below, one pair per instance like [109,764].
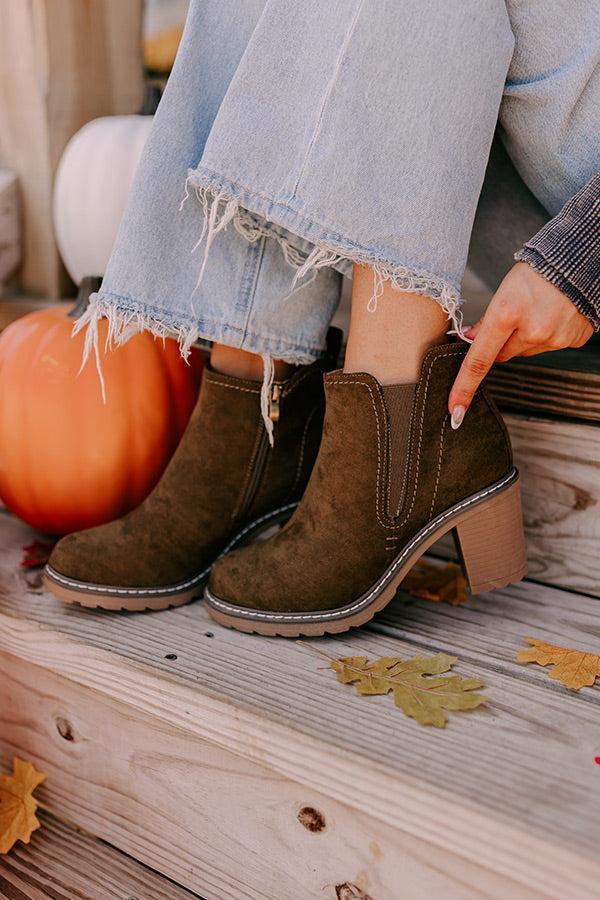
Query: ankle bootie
[224,484]
[385,487]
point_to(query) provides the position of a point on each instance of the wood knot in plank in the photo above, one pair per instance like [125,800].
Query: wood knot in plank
[349,891]
[311,818]
[65,729]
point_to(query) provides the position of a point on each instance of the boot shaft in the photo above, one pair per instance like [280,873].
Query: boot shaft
[438,463]
[370,511]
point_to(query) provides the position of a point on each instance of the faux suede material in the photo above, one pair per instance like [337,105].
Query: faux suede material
[297,439]
[195,509]
[334,544]
[342,538]
[447,465]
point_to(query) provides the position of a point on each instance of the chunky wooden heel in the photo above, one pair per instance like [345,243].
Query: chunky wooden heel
[491,543]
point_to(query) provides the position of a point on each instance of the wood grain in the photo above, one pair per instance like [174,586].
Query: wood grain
[512,788]
[10,244]
[63,862]
[545,390]
[62,63]
[559,464]
[208,818]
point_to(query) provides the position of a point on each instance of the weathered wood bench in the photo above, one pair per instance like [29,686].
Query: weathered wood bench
[239,767]
[63,862]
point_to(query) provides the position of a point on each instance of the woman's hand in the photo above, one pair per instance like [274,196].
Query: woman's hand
[526,315]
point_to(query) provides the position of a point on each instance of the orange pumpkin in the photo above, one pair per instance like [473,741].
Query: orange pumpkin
[67,460]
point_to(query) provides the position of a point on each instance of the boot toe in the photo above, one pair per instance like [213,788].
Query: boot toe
[264,577]
[229,579]
[241,579]
[81,557]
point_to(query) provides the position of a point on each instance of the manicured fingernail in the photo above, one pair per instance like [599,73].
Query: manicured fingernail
[458,414]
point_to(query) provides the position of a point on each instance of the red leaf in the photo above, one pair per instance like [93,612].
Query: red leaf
[36,554]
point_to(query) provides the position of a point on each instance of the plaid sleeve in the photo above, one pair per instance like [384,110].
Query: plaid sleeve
[566,250]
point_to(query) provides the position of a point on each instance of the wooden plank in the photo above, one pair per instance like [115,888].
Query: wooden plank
[10,245]
[543,390]
[207,818]
[573,360]
[62,861]
[512,789]
[61,63]
[14,308]
[559,463]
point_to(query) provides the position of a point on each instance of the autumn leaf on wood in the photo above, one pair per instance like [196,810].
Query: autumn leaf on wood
[573,668]
[17,805]
[438,583]
[36,554]
[421,697]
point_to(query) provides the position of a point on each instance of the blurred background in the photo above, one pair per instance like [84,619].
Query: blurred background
[79,80]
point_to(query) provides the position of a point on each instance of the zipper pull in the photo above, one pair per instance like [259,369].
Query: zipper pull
[274,397]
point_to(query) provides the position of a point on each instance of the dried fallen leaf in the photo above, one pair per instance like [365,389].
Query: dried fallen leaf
[429,581]
[36,554]
[424,699]
[573,668]
[17,805]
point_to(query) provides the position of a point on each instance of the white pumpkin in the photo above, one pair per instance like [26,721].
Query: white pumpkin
[91,187]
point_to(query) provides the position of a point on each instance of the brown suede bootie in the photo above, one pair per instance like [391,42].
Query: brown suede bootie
[224,484]
[380,494]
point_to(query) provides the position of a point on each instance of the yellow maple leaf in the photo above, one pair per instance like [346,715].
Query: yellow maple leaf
[573,668]
[429,581]
[422,698]
[17,805]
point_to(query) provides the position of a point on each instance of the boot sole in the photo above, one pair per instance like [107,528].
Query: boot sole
[131,599]
[488,528]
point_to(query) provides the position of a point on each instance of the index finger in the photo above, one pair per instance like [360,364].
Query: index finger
[475,366]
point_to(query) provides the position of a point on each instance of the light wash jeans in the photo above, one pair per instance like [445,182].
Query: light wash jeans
[305,136]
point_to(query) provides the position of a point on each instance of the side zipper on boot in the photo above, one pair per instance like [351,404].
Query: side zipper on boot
[261,455]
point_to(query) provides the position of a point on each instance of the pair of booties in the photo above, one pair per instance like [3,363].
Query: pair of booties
[366,478]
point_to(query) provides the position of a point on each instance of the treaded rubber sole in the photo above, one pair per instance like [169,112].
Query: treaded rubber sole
[489,519]
[132,599]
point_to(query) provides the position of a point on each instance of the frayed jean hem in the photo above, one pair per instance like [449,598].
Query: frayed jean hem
[254,215]
[306,247]
[126,318]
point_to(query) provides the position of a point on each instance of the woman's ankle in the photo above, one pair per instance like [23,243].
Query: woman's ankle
[390,342]
[242,364]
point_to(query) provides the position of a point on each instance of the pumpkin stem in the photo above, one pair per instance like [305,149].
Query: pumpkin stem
[89,285]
